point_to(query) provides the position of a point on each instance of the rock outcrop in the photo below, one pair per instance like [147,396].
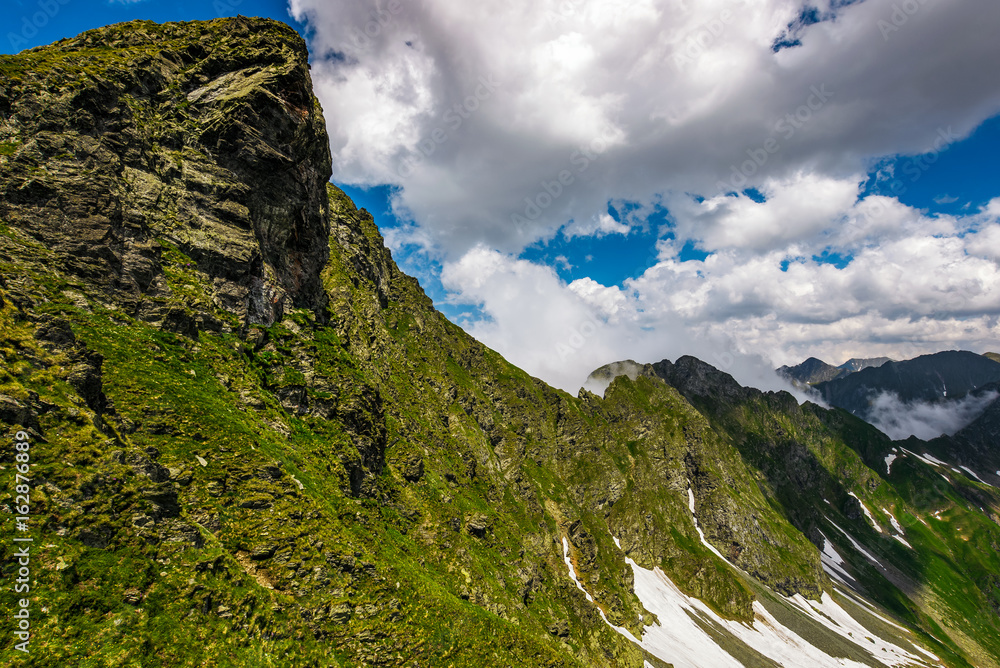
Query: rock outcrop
[152,158]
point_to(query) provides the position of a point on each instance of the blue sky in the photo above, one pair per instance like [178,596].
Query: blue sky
[960,178]
[753,183]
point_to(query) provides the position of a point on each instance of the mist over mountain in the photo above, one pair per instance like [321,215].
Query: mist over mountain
[908,398]
[944,375]
[925,419]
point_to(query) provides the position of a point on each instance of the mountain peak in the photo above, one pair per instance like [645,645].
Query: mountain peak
[813,370]
[207,155]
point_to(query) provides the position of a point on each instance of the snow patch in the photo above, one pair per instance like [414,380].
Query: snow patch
[934,460]
[679,640]
[701,534]
[913,454]
[572,575]
[868,514]
[902,540]
[572,571]
[835,618]
[849,594]
[857,545]
[899,529]
[833,563]
[889,459]
[973,474]
[893,521]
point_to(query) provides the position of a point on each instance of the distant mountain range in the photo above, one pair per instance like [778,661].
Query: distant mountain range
[942,381]
[952,374]
[815,370]
[940,375]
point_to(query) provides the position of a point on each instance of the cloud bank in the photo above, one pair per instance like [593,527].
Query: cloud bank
[926,420]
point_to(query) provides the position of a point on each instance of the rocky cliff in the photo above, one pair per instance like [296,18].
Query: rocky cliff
[255,442]
[134,147]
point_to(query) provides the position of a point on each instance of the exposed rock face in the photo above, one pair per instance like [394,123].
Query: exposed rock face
[694,378]
[204,160]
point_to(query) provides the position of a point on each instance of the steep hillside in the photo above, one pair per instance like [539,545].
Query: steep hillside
[894,523]
[253,441]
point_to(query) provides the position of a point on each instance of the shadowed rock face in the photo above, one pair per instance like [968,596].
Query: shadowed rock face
[139,151]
